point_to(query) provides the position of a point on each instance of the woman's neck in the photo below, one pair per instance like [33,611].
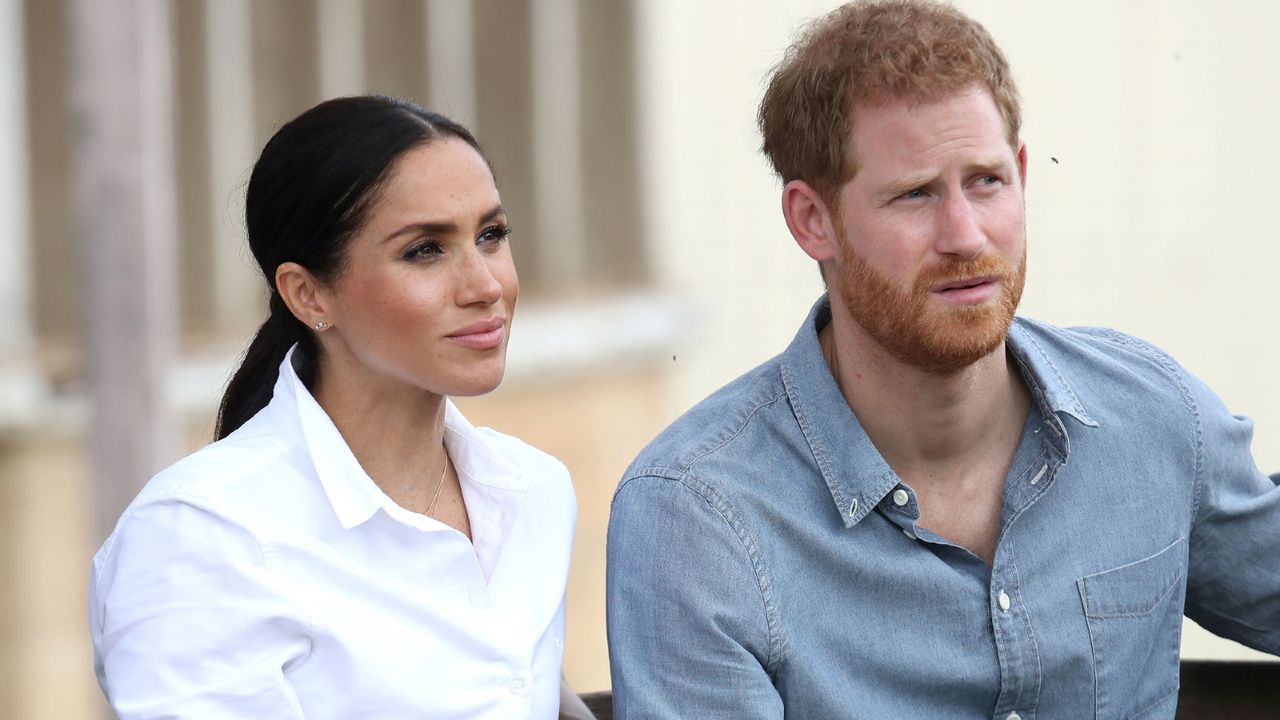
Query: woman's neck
[396,432]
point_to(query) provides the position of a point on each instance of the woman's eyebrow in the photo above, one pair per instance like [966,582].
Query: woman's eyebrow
[441,227]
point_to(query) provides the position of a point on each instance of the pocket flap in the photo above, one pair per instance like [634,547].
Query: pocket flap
[1136,588]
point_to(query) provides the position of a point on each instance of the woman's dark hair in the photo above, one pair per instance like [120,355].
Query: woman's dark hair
[309,193]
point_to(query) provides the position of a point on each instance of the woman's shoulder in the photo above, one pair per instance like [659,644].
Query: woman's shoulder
[524,455]
[242,471]
[228,495]
[541,466]
[547,476]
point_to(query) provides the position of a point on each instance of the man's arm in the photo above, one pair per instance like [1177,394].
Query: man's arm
[688,630]
[1233,576]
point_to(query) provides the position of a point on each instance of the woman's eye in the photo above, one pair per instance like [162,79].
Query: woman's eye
[422,250]
[494,235]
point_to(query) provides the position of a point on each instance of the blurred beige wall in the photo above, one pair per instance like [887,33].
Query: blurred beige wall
[1155,220]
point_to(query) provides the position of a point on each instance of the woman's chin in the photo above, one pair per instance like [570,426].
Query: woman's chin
[480,384]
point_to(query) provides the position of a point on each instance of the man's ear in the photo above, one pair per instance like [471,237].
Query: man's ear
[303,294]
[810,221]
[1022,164]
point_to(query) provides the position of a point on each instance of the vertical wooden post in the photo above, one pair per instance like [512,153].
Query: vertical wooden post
[125,208]
[15,285]
[340,47]
[16,316]
[238,292]
[450,58]
[557,142]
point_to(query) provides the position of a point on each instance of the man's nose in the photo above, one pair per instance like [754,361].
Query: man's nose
[958,231]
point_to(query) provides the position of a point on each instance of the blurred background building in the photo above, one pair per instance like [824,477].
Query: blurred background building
[653,257]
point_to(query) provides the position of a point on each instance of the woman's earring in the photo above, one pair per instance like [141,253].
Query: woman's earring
[321,325]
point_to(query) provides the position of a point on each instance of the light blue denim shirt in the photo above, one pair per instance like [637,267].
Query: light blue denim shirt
[764,561]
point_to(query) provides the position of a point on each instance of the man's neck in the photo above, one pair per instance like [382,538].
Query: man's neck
[950,437]
[928,426]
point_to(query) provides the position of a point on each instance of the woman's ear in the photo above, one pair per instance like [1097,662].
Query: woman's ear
[810,221]
[304,295]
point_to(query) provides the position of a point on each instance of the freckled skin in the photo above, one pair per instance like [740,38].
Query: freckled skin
[402,295]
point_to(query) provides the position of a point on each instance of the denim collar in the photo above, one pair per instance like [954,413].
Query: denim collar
[855,472]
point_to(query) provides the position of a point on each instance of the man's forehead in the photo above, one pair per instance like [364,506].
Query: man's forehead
[907,124]
[909,144]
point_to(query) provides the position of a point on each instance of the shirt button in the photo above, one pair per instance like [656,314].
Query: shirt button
[909,533]
[1003,599]
[1013,716]
[900,497]
[517,685]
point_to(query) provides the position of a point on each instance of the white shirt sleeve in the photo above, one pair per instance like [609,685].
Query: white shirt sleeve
[188,620]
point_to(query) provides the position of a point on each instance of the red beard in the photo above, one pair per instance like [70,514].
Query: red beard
[915,328]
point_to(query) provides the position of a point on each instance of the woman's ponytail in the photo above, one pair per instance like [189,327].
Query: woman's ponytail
[250,389]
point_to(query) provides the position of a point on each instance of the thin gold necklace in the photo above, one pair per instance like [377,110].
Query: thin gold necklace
[439,486]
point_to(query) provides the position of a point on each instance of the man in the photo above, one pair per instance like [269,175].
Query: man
[925,507]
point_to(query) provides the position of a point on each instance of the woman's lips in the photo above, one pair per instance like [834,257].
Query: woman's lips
[484,335]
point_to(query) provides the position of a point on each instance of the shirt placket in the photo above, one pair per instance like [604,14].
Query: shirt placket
[1016,649]
[1031,475]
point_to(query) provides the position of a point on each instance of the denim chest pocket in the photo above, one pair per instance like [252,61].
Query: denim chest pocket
[1134,613]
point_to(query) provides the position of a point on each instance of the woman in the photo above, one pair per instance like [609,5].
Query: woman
[351,547]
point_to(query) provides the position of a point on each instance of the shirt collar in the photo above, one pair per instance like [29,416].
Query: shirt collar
[482,469]
[855,472]
[1046,379]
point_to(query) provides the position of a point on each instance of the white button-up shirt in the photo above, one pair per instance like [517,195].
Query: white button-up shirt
[267,576]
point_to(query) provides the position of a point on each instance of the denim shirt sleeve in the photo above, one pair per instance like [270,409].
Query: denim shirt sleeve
[1233,579]
[685,640]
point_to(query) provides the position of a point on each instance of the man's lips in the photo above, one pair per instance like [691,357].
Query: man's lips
[968,290]
[483,335]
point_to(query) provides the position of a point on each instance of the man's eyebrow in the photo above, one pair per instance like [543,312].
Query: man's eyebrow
[918,180]
[441,227]
[989,167]
[906,184]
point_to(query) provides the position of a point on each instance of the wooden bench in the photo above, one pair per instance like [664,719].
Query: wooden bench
[1226,689]
[1210,689]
